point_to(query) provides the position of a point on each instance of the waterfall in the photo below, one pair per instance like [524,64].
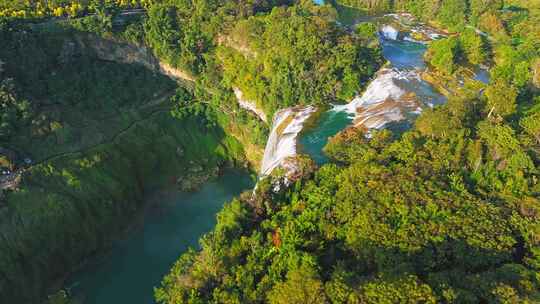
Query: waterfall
[389,32]
[286,126]
[384,100]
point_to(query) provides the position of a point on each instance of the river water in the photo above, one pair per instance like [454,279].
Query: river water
[137,264]
[402,76]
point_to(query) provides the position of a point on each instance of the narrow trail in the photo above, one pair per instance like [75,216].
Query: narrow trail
[484,34]
[12,180]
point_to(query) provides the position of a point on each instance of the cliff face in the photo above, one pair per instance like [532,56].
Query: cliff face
[88,180]
[123,52]
[249,105]
[126,53]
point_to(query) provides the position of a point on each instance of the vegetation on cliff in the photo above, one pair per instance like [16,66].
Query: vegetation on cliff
[87,138]
[446,213]
[289,57]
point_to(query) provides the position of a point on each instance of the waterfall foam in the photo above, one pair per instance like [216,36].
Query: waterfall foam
[383,101]
[286,126]
[389,32]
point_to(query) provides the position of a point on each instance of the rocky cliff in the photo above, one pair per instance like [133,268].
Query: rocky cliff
[123,52]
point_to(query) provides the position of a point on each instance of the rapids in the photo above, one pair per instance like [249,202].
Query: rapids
[395,97]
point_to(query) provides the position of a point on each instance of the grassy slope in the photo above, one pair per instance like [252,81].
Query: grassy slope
[101,135]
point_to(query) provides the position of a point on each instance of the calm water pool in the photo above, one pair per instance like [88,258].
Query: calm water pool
[138,263]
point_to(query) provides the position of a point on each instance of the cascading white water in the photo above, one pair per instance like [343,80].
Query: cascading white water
[383,101]
[281,144]
[389,32]
[408,24]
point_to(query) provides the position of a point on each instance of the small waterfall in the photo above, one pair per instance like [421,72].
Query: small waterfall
[411,28]
[389,32]
[286,126]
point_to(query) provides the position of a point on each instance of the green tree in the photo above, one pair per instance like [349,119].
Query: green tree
[14,112]
[452,14]
[443,54]
[531,125]
[501,98]
[479,7]
[366,30]
[301,287]
[473,46]
[163,33]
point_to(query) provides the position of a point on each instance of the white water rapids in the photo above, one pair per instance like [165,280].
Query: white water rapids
[384,100]
[397,93]
[389,32]
[281,144]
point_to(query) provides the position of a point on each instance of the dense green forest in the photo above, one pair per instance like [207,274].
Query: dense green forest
[99,135]
[87,138]
[447,212]
[269,58]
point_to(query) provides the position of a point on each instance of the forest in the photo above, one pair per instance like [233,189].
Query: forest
[445,212]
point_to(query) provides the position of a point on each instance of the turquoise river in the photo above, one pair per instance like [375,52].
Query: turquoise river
[137,264]
[174,223]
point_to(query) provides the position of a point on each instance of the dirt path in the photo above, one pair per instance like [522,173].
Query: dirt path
[12,180]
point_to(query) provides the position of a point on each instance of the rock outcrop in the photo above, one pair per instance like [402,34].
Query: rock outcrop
[127,53]
[249,105]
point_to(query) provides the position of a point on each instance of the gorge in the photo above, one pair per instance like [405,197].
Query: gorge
[275,152]
[108,283]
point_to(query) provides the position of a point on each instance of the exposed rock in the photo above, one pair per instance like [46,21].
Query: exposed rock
[249,105]
[236,44]
[69,52]
[122,52]
[406,26]
[196,178]
[294,168]
[174,73]
[196,168]
[180,152]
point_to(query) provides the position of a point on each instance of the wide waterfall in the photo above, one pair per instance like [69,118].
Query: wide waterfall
[286,126]
[384,100]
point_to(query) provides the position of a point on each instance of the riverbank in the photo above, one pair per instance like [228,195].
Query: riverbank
[94,195]
[137,263]
[152,206]
[99,141]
